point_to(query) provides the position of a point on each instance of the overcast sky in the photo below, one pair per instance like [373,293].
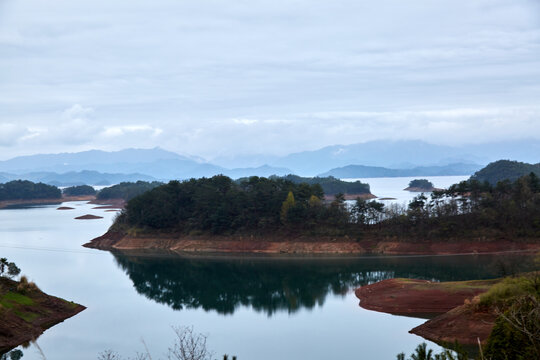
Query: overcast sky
[220,78]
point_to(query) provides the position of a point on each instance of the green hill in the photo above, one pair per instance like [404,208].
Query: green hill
[505,170]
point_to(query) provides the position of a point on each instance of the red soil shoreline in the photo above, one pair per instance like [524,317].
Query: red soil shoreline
[418,297]
[299,245]
[450,305]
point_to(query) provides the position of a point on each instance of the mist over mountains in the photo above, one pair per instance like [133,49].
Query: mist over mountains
[370,159]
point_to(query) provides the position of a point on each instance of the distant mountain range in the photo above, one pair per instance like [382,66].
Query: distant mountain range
[406,155]
[361,171]
[370,159]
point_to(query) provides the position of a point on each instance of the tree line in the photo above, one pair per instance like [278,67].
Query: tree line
[27,190]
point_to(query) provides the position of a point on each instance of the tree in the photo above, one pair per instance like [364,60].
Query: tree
[422,353]
[189,345]
[8,269]
[3,264]
[13,270]
[286,206]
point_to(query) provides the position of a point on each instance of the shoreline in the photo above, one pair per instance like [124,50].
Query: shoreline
[448,306]
[199,245]
[16,202]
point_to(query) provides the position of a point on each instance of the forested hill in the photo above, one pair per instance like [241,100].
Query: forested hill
[505,170]
[219,205]
[331,185]
[27,190]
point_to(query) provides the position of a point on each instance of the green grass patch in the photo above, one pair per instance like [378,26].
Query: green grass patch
[26,316]
[10,299]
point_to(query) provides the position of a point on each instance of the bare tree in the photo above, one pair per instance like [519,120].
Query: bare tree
[189,345]
[524,315]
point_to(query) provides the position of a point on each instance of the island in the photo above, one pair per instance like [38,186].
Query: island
[24,192]
[279,216]
[421,185]
[25,311]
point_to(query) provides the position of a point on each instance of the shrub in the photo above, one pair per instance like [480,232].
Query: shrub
[26,286]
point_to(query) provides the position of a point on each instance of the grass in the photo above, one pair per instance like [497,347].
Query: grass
[26,316]
[10,299]
[451,285]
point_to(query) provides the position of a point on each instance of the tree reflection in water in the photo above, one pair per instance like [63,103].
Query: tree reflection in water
[279,284]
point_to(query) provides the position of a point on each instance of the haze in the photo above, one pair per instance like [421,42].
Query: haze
[222,79]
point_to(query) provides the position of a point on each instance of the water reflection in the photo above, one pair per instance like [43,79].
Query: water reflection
[270,285]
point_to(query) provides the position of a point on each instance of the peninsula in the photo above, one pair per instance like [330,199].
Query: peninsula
[26,312]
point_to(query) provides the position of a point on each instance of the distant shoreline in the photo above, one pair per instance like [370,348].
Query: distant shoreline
[54,201]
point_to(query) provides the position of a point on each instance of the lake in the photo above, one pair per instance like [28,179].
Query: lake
[252,307]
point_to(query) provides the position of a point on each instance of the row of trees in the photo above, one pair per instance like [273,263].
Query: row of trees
[27,190]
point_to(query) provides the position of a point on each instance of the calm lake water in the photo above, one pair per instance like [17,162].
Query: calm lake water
[255,308]
[392,187]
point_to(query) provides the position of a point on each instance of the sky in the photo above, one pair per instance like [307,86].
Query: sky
[216,78]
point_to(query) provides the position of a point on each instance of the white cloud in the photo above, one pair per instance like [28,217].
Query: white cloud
[11,134]
[77,112]
[116,131]
[277,76]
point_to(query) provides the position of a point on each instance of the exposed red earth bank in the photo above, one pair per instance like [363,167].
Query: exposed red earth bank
[454,317]
[298,245]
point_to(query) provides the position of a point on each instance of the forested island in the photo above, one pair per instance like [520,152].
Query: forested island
[278,215]
[420,185]
[332,186]
[27,190]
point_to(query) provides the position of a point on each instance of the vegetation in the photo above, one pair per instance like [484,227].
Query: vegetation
[188,345]
[12,355]
[516,334]
[79,190]
[423,353]
[505,170]
[219,205]
[471,209]
[423,184]
[27,190]
[126,190]
[8,269]
[330,185]
[258,206]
